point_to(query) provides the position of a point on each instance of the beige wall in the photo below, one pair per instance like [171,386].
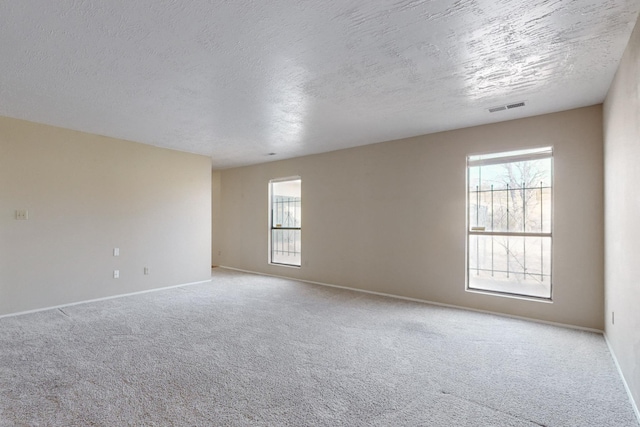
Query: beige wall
[622,214]
[216,211]
[390,217]
[85,195]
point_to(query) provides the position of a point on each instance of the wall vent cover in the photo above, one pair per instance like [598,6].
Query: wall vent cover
[506,107]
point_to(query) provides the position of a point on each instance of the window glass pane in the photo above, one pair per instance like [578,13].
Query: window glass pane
[286,203]
[516,265]
[511,197]
[285,247]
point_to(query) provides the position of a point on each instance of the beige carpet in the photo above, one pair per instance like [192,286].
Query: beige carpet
[247,350]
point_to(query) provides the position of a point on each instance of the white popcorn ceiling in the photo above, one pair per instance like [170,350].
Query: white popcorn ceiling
[236,80]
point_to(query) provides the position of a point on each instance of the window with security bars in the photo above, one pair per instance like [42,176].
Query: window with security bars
[285,222]
[509,217]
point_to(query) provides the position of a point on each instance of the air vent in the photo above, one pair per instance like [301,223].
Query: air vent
[506,107]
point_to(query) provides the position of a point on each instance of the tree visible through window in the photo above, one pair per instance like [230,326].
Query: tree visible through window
[509,217]
[285,222]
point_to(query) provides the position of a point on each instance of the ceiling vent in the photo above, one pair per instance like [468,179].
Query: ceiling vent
[494,109]
[506,107]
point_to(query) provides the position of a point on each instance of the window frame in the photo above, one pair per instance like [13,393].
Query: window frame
[271,225]
[501,157]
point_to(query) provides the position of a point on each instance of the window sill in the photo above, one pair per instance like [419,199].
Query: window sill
[284,265]
[509,295]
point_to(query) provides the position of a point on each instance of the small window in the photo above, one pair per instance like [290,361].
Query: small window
[509,217]
[285,221]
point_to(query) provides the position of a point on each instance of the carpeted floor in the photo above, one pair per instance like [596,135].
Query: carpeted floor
[247,350]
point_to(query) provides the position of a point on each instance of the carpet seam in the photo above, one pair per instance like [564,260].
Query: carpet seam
[493,409]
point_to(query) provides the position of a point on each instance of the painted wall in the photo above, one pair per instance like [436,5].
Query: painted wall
[86,195]
[390,217]
[216,211]
[622,214]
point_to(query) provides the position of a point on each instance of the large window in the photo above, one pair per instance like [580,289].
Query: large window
[285,221]
[509,217]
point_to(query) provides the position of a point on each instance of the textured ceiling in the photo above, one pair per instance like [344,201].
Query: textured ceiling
[236,80]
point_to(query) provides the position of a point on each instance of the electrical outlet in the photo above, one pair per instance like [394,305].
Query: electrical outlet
[22,214]
[116,251]
[146,271]
[116,274]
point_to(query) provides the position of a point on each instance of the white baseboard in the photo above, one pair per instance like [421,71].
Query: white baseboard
[546,322]
[626,386]
[55,307]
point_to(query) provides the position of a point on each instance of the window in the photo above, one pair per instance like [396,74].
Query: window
[509,217]
[285,221]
